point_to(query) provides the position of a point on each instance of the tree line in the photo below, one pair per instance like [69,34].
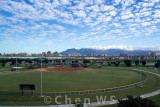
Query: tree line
[75,62]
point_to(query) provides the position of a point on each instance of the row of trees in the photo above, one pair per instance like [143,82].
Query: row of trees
[137,62]
[128,63]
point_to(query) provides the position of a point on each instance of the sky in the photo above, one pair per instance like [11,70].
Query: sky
[35,26]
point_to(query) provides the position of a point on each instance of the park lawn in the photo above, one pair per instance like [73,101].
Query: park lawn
[152,85]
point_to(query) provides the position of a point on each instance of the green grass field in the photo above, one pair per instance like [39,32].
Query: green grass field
[88,79]
[76,80]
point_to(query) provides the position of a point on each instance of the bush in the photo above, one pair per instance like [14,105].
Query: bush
[136,102]
[127,62]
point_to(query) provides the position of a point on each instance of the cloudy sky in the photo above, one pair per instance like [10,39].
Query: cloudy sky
[40,25]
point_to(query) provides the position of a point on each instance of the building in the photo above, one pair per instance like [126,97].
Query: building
[154,54]
[49,54]
[43,53]
[103,55]
[56,54]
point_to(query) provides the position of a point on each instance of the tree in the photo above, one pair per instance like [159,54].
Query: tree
[46,60]
[30,61]
[75,63]
[117,63]
[63,61]
[144,63]
[13,62]
[3,64]
[157,65]
[136,102]
[86,61]
[127,62]
[137,62]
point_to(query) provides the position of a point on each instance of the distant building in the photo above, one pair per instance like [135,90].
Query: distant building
[154,54]
[90,55]
[49,54]
[43,53]
[123,55]
[103,55]
[34,55]
[75,54]
[56,54]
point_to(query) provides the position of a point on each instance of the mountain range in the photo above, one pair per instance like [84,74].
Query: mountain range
[86,51]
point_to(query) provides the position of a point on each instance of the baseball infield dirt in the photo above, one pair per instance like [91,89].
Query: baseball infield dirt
[61,69]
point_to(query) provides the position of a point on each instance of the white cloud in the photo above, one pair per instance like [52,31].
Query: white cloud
[49,42]
[55,3]
[80,5]
[89,2]
[116,24]
[59,27]
[157,13]
[109,18]
[113,13]
[98,1]
[80,13]
[112,47]
[93,8]
[65,2]
[129,48]
[87,20]
[147,4]
[126,3]
[127,16]
[106,8]
[93,14]
[146,23]
[117,1]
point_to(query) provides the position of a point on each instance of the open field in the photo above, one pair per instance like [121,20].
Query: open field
[78,80]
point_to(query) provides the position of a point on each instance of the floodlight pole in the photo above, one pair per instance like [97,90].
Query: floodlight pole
[140,69]
[41,77]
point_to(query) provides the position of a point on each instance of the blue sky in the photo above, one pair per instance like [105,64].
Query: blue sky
[35,26]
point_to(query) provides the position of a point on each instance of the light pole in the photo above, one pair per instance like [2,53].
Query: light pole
[41,76]
[140,69]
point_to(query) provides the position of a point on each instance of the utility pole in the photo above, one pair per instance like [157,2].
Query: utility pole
[140,69]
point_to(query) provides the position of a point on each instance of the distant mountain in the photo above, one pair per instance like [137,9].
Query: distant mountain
[86,51]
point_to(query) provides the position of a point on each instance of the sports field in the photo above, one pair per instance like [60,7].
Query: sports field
[86,79]
[83,79]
